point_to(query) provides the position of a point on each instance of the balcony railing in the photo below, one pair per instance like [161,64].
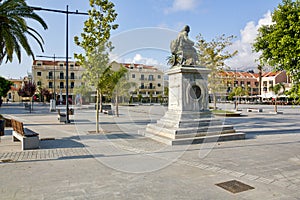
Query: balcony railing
[147,87]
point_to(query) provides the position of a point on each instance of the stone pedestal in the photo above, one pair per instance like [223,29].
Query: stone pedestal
[188,119]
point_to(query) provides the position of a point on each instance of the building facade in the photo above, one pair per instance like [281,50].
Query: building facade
[250,82]
[52,76]
[148,80]
[12,94]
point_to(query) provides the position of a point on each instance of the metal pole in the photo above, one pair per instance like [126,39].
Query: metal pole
[67,32]
[54,91]
[67,65]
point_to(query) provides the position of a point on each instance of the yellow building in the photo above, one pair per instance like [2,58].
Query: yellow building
[148,79]
[12,94]
[52,76]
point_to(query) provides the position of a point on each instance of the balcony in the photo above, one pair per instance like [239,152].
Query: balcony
[147,88]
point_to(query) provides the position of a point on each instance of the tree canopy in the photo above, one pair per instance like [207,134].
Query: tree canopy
[95,43]
[213,54]
[28,89]
[14,29]
[279,42]
[4,86]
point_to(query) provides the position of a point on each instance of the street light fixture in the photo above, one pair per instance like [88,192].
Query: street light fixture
[67,12]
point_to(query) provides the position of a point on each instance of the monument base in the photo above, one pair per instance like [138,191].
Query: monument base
[190,127]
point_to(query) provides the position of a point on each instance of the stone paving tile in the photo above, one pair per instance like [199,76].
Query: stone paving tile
[45,154]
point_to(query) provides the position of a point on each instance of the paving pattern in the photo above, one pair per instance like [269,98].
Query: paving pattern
[109,165]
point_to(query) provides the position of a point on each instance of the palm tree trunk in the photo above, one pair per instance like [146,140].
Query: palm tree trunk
[275,103]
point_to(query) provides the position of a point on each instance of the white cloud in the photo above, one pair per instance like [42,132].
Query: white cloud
[139,59]
[182,5]
[246,59]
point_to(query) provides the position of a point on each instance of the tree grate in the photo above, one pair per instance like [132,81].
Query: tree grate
[235,186]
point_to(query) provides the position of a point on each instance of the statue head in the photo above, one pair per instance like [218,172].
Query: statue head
[186,28]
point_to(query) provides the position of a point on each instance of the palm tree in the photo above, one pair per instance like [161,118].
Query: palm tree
[238,92]
[14,29]
[278,89]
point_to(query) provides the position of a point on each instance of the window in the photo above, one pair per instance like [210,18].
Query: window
[72,75]
[142,77]
[72,65]
[236,83]
[132,75]
[61,85]
[271,83]
[50,85]
[151,78]
[50,74]
[72,84]
[39,73]
[61,75]
[158,85]
[142,86]
[265,83]
[61,65]
[256,84]
[159,76]
[248,83]
[39,64]
[151,86]
[39,83]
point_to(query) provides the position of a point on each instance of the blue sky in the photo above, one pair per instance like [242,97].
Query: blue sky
[146,28]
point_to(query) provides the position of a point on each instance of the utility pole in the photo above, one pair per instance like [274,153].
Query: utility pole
[67,12]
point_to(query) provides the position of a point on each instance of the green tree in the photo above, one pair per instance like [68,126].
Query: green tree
[14,29]
[117,85]
[82,90]
[95,43]
[279,42]
[4,86]
[140,97]
[213,55]
[278,89]
[238,92]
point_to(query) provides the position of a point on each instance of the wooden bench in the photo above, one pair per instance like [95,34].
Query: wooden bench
[106,109]
[28,138]
[254,109]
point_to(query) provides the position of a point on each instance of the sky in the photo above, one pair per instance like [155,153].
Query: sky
[146,28]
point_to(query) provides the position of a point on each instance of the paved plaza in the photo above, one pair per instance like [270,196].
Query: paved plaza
[74,162]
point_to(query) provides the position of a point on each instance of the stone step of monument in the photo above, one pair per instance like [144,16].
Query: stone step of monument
[190,123]
[209,139]
[175,133]
[196,140]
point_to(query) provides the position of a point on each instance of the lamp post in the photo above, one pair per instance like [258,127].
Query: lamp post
[67,12]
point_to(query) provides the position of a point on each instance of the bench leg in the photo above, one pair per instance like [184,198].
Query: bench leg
[30,143]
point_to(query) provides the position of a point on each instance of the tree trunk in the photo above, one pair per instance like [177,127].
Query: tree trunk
[100,102]
[275,105]
[117,104]
[97,111]
[215,101]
